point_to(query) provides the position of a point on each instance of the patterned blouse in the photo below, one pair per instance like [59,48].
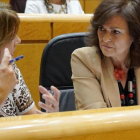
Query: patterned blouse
[19,101]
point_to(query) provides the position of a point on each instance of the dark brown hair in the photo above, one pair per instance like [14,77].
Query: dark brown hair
[130,11]
[9,23]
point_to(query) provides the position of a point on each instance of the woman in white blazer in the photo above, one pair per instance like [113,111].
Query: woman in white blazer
[53,7]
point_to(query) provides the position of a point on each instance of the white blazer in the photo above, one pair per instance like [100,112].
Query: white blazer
[38,6]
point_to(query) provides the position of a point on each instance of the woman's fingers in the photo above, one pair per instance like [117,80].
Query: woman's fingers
[6,57]
[51,102]
[56,92]
[7,76]
[46,107]
[43,90]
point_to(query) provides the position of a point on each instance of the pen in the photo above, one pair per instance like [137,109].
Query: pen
[16,59]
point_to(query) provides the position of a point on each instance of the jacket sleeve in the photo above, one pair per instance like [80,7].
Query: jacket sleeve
[87,89]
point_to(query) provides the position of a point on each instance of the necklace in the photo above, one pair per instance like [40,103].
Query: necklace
[51,10]
[128,94]
[119,74]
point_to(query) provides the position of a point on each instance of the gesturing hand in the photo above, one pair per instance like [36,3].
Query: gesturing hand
[51,101]
[7,76]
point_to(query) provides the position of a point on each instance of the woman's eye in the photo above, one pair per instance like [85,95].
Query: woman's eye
[116,32]
[101,28]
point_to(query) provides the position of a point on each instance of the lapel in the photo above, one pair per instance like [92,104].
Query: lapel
[111,89]
[137,75]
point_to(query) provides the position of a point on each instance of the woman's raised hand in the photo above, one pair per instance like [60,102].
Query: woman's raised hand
[7,76]
[51,101]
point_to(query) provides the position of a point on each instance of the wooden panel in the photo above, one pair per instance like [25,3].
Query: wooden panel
[82,2]
[69,28]
[5,1]
[70,24]
[30,66]
[35,27]
[90,5]
[121,123]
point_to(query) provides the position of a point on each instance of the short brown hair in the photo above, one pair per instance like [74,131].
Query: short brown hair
[130,11]
[9,23]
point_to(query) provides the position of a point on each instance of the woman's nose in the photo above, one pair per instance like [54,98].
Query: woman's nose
[107,37]
[18,40]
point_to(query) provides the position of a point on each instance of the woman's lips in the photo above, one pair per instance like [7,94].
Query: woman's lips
[106,47]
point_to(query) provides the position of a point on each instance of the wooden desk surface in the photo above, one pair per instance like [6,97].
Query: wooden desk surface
[98,124]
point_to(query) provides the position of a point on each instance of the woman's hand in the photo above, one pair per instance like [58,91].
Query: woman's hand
[51,101]
[7,76]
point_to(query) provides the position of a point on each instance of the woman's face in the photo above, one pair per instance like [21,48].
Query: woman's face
[11,45]
[114,37]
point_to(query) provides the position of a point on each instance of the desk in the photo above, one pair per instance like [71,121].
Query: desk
[99,124]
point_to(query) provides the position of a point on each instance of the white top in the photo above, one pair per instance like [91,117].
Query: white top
[39,7]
